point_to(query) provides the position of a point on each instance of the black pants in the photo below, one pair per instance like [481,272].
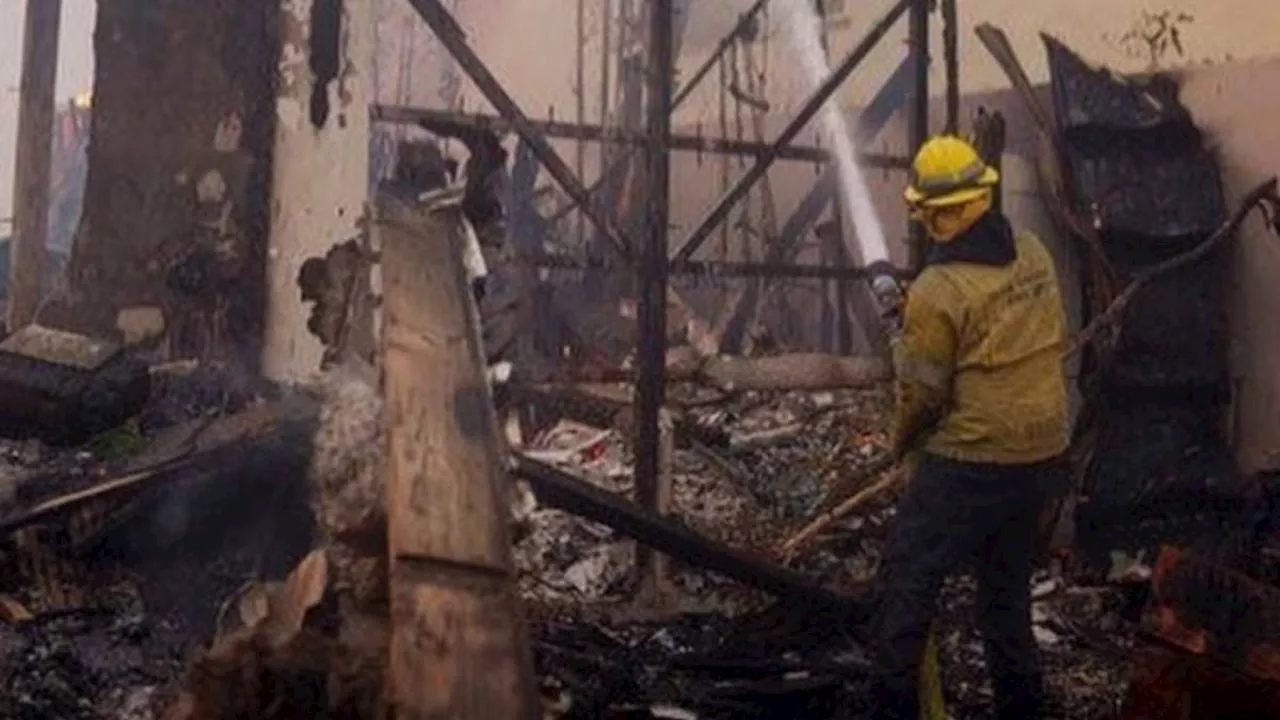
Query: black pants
[953,514]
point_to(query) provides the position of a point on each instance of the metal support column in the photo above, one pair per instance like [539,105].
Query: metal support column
[951,60]
[918,116]
[652,296]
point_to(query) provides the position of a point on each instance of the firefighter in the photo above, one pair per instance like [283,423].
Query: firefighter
[981,419]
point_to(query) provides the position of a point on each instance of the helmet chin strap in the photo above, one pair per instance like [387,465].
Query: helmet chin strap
[944,223]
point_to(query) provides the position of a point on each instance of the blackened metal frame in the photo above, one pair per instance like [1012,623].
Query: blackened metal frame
[655,261]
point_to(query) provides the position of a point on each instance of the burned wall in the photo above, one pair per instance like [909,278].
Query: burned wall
[1236,105]
[172,236]
[1139,167]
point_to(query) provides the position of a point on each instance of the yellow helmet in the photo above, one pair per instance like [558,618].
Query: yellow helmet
[948,171]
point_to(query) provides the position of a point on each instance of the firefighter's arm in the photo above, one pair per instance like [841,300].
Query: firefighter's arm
[924,360]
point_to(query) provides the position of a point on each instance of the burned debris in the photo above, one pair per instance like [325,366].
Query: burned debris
[1155,391]
[542,469]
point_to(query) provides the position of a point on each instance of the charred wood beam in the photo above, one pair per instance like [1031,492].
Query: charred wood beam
[221,447]
[951,63]
[592,132]
[565,492]
[1056,188]
[918,115]
[451,581]
[449,33]
[989,139]
[651,306]
[714,268]
[725,205]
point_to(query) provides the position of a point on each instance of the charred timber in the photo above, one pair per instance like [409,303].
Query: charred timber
[598,133]
[651,308]
[716,268]
[219,447]
[561,490]
[918,113]
[725,205]
[951,63]
[447,540]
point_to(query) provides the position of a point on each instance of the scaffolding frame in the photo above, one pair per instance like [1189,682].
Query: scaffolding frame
[649,256]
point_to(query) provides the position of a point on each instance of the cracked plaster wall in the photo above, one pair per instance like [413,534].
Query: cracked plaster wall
[320,183]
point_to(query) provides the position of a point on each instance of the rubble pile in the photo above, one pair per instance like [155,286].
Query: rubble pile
[161,583]
[721,650]
[103,609]
[785,455]
[768,664]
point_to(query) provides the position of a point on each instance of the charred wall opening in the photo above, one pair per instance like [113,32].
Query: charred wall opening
[324,55]
[1138,165]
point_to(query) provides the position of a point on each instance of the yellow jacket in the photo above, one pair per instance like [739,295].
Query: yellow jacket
[978,366]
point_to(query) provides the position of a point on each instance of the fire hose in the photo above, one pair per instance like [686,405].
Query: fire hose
[890,296]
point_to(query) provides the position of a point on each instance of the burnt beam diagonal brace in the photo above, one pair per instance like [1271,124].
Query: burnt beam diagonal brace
[452,36]
[725,205]
[888,100]
[593,132]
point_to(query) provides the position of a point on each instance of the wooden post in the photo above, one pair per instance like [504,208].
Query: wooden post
[651,323]
[918,113]
[657,588]
[458,648]
[32,172]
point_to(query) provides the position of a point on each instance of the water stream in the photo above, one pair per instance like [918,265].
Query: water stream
[804,32]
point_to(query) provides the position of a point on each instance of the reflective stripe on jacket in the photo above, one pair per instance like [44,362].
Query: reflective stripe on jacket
[978,368]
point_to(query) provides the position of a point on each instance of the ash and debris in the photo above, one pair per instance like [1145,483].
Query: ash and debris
[786,454]
[790,457]
[86,664]
[720,651]
[105,632]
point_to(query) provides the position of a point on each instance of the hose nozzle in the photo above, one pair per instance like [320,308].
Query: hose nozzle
[888,291]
